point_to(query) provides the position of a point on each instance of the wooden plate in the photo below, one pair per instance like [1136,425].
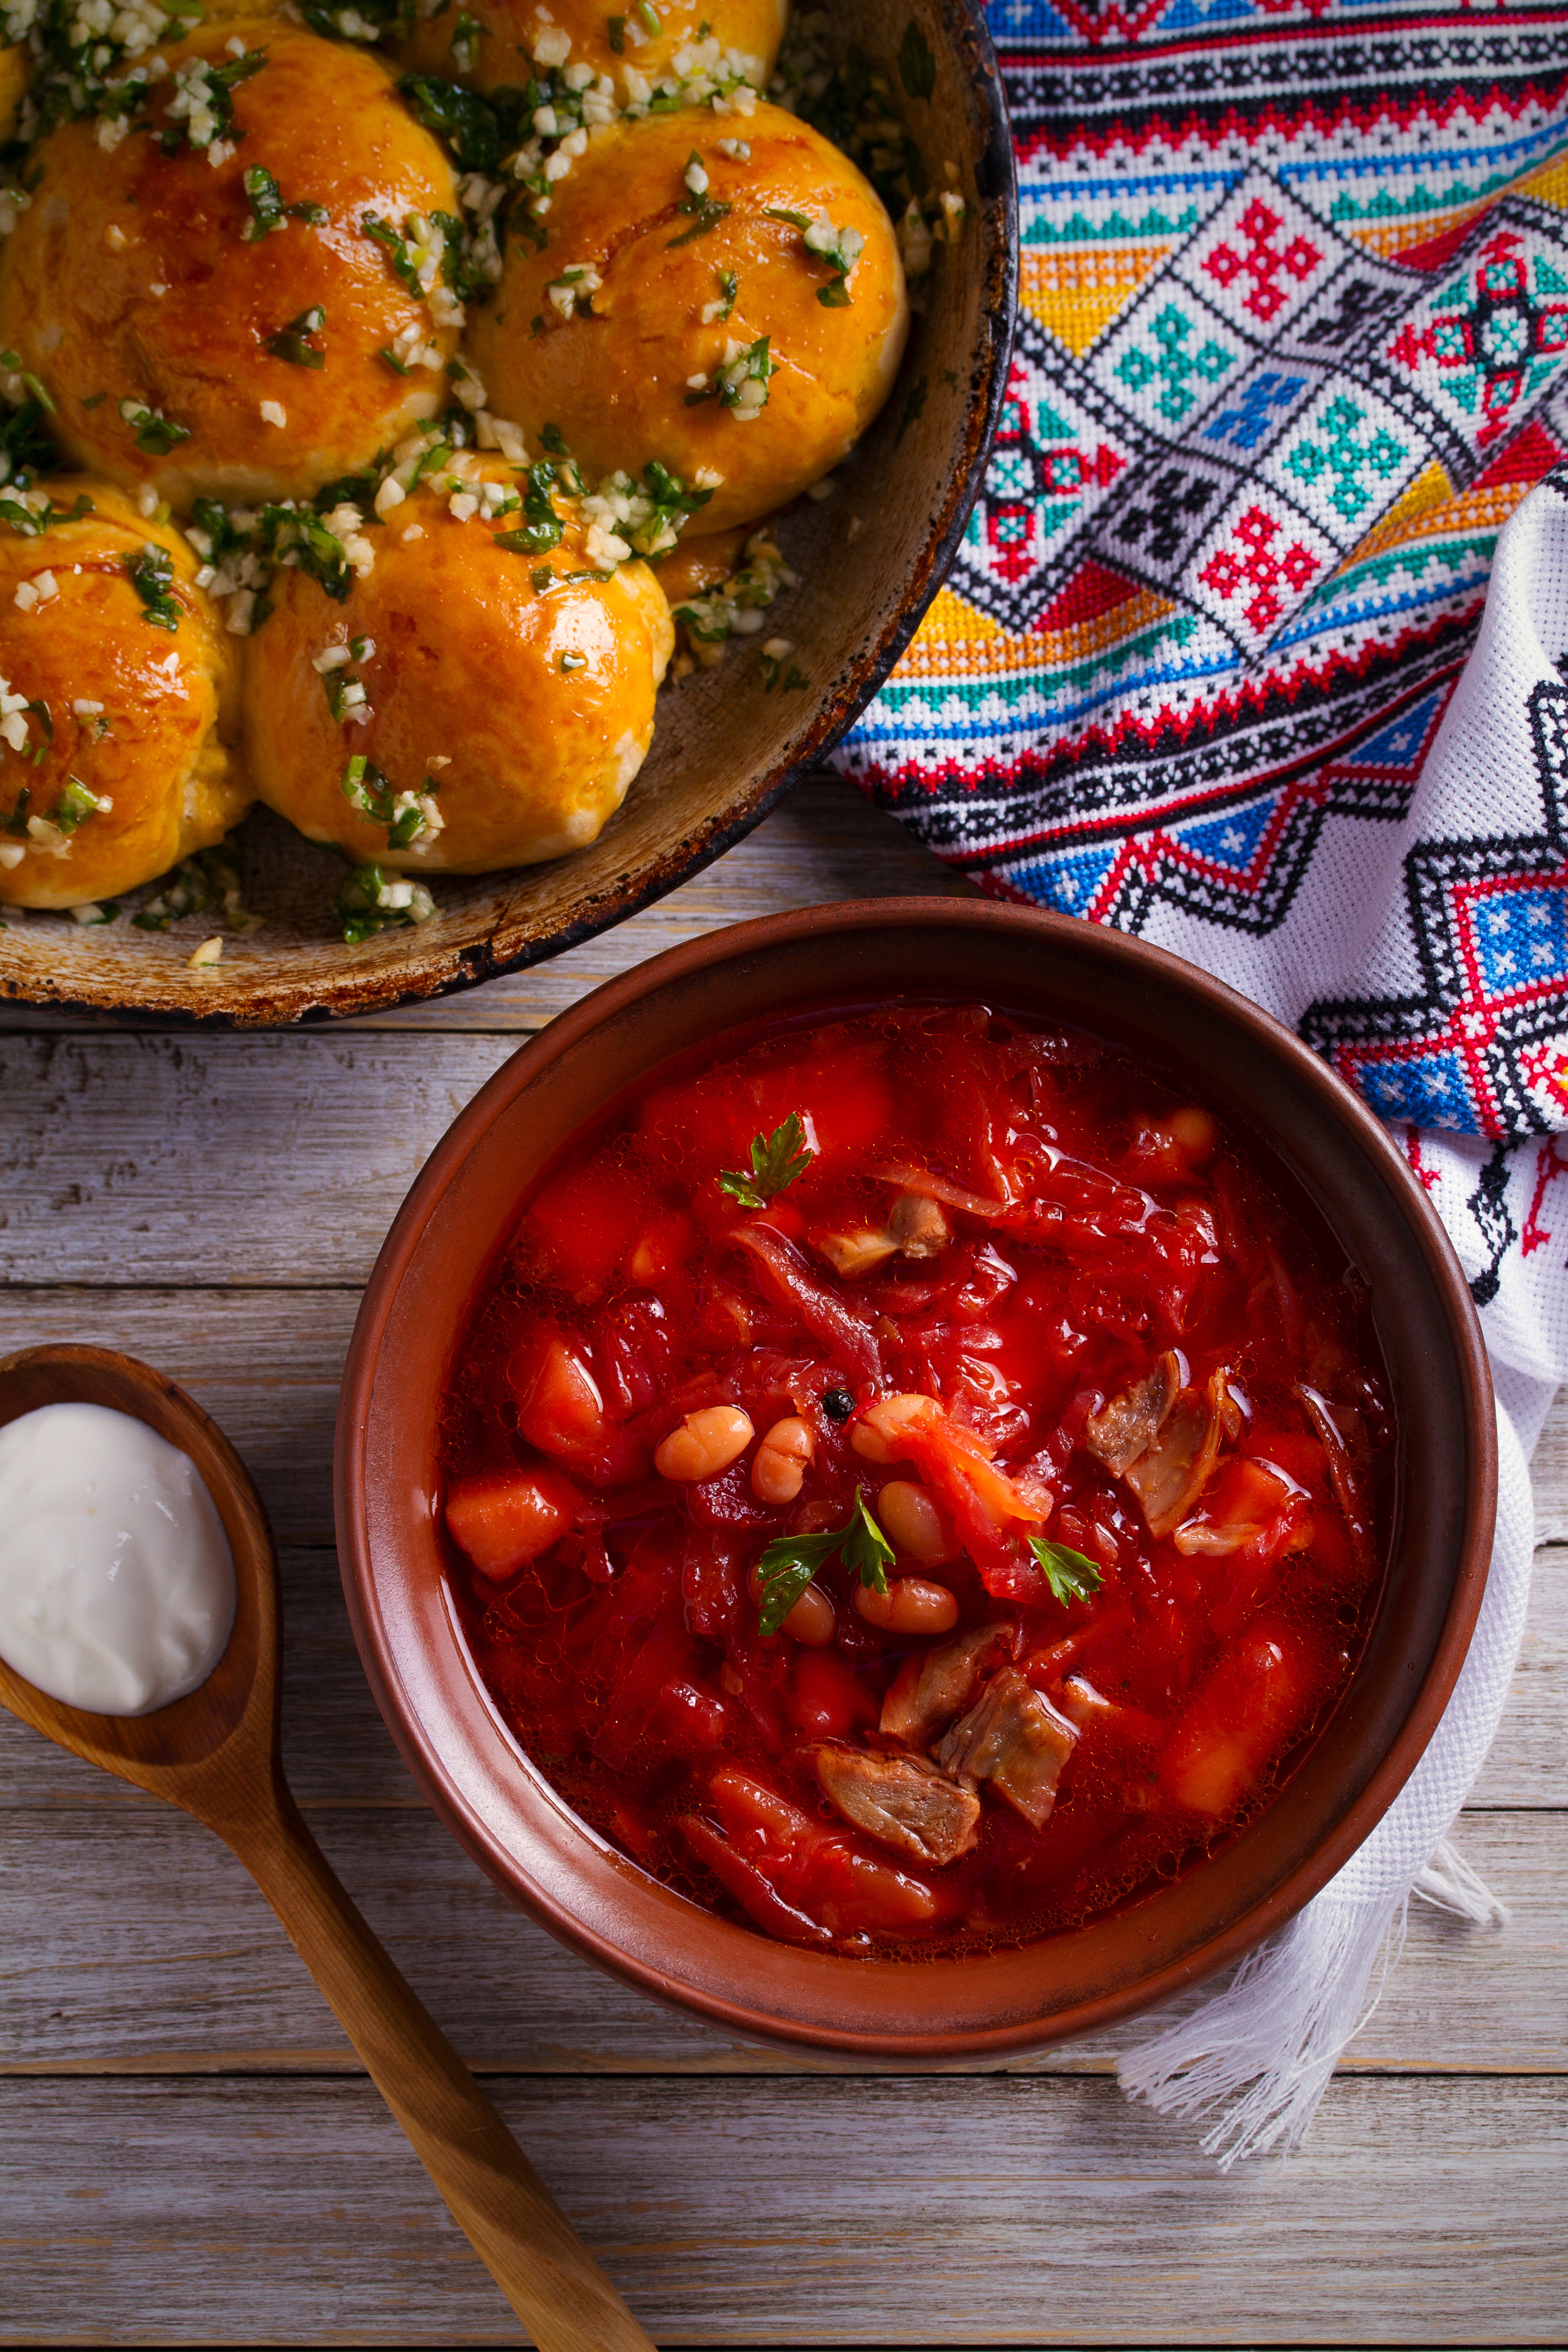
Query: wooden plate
[725,751]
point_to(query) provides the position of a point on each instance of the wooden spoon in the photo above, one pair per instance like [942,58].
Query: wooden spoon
[216,1753]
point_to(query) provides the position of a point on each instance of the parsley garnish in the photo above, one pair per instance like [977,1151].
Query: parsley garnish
[152,575]
[550,436]
[729,287]
[292,343]
[371,901]
[618,35]
[542,525]
[788,1564]
[650,18]
[221,82]
[264,197]
[776,1160]
[1071,1575]
[917,62]
[155,434]
[74,803]
[754,365]
[774,674]
[801,221]
[282,529]
[396,252]
[393,362]
[703,211]
[458,116]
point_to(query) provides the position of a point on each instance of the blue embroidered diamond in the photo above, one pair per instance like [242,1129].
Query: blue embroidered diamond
[1522,939]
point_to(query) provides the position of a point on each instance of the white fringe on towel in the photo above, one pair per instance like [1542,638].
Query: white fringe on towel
[1263,2051]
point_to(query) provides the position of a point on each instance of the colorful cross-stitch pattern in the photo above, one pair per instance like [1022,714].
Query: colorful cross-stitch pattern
[1293,346]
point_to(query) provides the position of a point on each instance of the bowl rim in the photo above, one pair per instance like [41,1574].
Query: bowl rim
[711,952]
[375,988]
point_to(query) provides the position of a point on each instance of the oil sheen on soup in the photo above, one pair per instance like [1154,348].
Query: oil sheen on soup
[910,1479]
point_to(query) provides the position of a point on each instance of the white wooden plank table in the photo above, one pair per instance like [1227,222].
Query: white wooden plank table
[188,2151]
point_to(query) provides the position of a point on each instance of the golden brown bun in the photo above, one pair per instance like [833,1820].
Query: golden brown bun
[170,703]
[15,72]
[466,671]
[615,381]
[104,228]
[512,28]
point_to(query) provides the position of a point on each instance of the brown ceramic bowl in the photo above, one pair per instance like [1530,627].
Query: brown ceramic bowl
[1235,1058]
[724,751]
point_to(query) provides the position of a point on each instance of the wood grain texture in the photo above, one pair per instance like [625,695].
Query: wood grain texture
[164,1956]
[188,2149]
[978,2212]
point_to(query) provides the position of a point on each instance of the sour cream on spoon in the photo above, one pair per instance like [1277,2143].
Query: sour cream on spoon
[117,1585]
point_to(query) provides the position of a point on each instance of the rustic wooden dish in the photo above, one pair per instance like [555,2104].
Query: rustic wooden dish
[1234,1057]
[725,751]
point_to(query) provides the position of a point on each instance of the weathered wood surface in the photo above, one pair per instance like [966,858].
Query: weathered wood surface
[187,2150]
[972,2211]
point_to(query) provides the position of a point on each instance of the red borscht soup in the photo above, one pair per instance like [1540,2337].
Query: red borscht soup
[911,1481]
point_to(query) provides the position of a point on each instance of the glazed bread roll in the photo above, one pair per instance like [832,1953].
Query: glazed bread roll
[503,705]
[651,42]
[15,72]
[173,329]
[103,629]
[668,290]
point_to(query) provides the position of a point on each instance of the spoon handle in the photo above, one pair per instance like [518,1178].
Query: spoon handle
[512,2223]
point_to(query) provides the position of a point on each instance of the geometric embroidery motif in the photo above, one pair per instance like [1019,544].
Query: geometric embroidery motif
[1261,261]
[1168,366]
[1351,460]
[1482,1046]
[1257,408]
[1492,338]
[1263,564]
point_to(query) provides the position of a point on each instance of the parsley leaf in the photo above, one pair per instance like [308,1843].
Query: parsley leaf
[155,434]
[1071,1575]
[291,342]
[152,575]
[457,115]
[541,526]
[264,197]
[789,1563]
[917,62]
[776,1160]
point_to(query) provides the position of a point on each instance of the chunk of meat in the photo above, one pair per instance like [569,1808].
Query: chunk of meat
[1016,1741]
[901,1801]
[1170,1477]
[915,1228]
[1126,1427]
[927,1690]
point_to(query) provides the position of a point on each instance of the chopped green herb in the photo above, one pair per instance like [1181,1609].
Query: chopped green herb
[460,117]
[95,400]
[155,434]
[542,525]
[393,362]
[306,209]
[649,16]
[17,820]
[618,35]
[42,713]
[264,197]
[392,245]
[221,82]
[917,62]
[75,805]
[552,438]
[152,575]
[729,287]
[105,913]
[912,409]
[801,221]
[371,901]
[703,211]
[789,1563]
[776,1160]
[542,577]
[292,343]
[1070,1574]
[950,377]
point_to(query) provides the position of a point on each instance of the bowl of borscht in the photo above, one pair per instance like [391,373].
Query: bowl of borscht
[913,1477]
